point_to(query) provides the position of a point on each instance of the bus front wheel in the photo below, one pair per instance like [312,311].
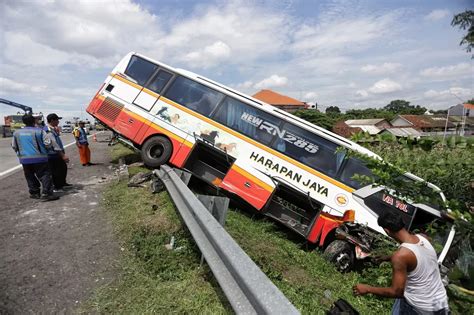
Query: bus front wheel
[156,151]
[341,254]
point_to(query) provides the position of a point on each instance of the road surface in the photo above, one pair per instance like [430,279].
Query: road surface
[53,255]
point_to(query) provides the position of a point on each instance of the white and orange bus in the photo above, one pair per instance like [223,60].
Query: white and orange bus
[279,164]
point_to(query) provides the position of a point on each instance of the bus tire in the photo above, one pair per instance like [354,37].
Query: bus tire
[156,151]
[341,254]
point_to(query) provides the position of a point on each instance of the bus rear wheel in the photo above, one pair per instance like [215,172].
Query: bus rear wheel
[156,151]
[341,254]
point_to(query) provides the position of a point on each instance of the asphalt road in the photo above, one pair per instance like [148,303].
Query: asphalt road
[54,255]
[8,157]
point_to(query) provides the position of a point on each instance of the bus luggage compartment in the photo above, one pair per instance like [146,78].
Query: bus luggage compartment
[293,208]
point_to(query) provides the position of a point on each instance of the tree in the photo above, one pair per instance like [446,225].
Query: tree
[317,118]
[333,109]
[402,107]
[465,20]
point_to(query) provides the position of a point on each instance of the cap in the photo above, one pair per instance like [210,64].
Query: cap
[52,117]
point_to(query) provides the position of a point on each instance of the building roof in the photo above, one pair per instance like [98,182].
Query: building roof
[403,132]
[373,130]
[274,98]
[422,121]
[358,122]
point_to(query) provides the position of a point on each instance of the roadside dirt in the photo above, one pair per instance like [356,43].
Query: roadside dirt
[54,254]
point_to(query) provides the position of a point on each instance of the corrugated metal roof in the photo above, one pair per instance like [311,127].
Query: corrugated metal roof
[358,122]
[404,132]
[370,129]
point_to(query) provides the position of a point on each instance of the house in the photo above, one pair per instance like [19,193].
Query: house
[280,101]
[462,110]
[427,125]
[403,132]
[342,129]
[464,125]
[371,126]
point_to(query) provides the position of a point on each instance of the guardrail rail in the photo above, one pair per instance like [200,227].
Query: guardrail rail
[247,288]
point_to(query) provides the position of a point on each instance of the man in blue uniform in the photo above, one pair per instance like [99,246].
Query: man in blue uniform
[31,146]
[57,157]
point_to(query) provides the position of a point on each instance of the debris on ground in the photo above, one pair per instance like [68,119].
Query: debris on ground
[157,185]
[122,172]
[138,179]
[170,246]
[137,164]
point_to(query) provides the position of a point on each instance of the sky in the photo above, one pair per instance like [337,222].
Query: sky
[353,54]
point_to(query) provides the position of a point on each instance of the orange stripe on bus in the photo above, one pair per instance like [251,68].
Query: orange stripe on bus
[255,143]
[259,182]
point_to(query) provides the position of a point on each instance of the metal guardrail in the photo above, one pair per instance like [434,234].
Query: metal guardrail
[247,288]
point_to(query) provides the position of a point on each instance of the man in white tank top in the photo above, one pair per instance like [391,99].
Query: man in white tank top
[416,281]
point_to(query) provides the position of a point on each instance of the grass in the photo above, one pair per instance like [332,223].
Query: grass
[153,279]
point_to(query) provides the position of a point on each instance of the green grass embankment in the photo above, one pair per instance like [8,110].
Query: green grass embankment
[154,279]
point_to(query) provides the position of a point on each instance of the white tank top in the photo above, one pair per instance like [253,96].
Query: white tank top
[424,289]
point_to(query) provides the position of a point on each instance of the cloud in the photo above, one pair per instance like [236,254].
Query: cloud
[310,96]
[436,15]
[76,32]
[227,33]
[448,72]
[452,95]
[8,85]
[272,81]
[385,86]
[209,56]
[362,94]
[385,68]
[341,34]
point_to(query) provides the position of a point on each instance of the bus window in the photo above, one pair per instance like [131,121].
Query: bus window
[194,95]
[309,148]
[159,81]
[354,166]
[140,69]
[250,121]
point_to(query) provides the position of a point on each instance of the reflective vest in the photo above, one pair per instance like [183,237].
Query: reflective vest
[81,135]
[30,145]
[53,152]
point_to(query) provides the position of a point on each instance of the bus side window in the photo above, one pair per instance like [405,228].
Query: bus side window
[140,69]
[194,95]
[159,81]
[246,119]
[354,166]
[309,149]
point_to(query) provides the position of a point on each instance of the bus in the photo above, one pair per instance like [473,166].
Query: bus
[280,165]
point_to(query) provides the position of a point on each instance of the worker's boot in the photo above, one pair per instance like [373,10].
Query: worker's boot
[35,196]
[49,197]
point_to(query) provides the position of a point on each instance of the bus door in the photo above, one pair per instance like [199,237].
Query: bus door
[129,122]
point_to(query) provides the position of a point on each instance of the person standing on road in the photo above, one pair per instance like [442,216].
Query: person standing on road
[82,144]
[57,158]
[31,146]
[416,280]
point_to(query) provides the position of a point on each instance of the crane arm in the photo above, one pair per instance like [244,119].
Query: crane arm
[27,109]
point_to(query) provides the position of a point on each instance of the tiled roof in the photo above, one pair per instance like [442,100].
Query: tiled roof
[423,121]
[274,98]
